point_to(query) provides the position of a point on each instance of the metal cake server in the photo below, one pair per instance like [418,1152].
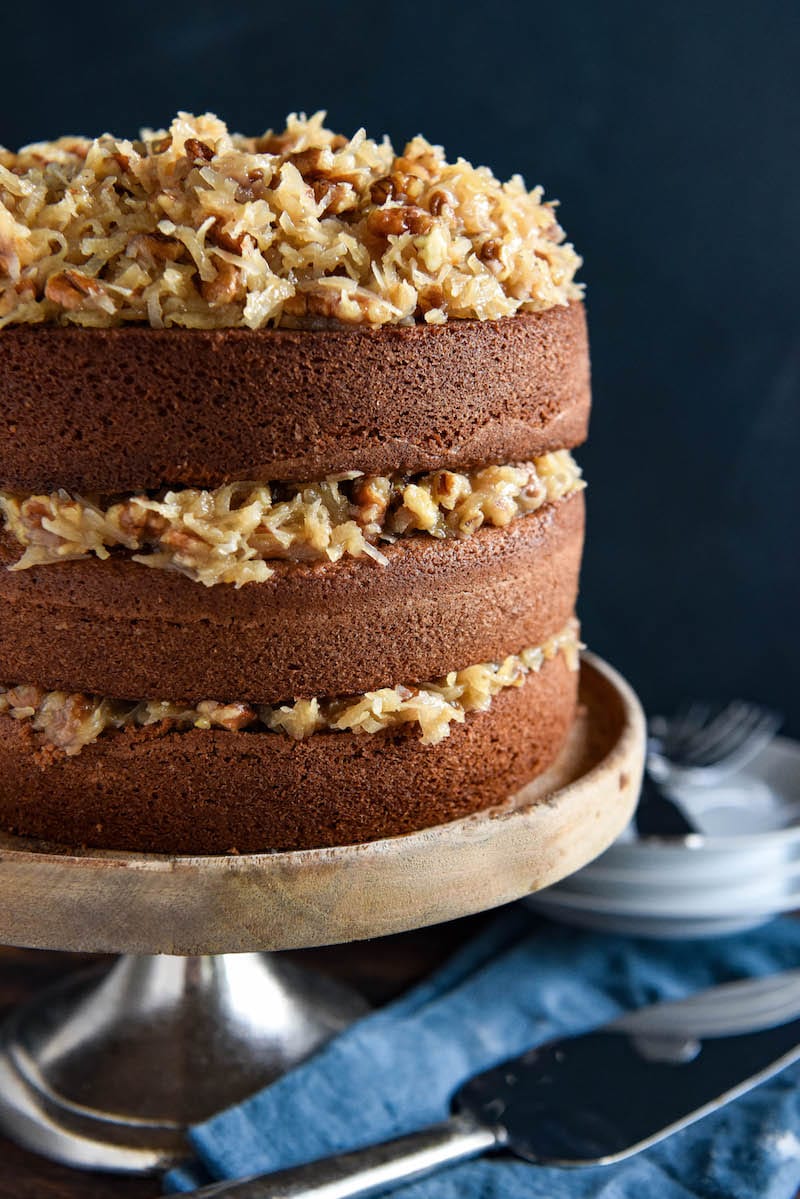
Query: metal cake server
[587,1100]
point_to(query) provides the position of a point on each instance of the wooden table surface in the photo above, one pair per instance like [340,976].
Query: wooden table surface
[379,969]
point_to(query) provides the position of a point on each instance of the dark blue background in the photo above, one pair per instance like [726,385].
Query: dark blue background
[670,134]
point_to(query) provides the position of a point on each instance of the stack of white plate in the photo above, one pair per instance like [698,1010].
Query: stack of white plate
[739,870]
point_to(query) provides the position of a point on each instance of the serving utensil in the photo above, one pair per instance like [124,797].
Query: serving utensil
[657,815]
[586,1100]
[698,747]
[703,744]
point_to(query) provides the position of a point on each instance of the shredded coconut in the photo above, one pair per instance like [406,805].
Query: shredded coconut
[70,721]
[229,535]
[201,228]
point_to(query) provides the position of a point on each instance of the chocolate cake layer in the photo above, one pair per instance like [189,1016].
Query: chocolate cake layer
[215,791]
[116,410]
[117,629]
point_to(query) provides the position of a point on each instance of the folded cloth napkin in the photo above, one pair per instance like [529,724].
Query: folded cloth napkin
[518,984]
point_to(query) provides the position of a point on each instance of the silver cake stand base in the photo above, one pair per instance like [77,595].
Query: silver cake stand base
[107,1070]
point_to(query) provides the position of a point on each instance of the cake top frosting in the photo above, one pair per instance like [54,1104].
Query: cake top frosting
[201,228]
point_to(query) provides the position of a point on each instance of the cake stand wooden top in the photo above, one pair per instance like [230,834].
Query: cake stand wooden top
[96,900]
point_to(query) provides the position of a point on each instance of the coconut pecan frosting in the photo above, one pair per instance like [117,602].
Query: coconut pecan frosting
[198,227]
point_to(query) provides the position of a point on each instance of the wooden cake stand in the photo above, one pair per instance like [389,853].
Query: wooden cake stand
[107,1070]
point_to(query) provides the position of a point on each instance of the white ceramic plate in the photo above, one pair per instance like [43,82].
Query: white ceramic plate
[662,929]
[715,906]
[760,803]
[741,870]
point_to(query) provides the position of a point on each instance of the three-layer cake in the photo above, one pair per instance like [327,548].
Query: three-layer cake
[291,531]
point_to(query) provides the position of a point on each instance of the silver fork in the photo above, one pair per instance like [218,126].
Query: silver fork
[702,745]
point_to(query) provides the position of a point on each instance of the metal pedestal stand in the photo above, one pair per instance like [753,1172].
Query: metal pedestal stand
[107,1070]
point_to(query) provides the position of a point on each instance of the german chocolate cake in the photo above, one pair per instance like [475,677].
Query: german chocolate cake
[291,529]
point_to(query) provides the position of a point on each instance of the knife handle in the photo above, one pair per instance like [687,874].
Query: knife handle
[369,1170]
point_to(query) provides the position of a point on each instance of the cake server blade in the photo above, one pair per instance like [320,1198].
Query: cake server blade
[586,1100]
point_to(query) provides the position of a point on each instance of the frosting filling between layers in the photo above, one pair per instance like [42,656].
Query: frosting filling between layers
[229,534]
[68,722]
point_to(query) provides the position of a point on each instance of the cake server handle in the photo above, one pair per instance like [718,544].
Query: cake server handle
[367,1171]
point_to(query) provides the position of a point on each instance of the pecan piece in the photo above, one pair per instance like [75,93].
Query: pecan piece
[397,186]
[183,542]
[33,513]
[72,290]
[447,488]
[312,163]
[232,717]
[490,250]
[198,151]
[331,305]
[382,190]
[296,305]
[534,492]
[142,523]
[371,496]
[156,247]
[431,296]
[441,202]
[408,218]
[225,287]
[220,237]
[253,186]
[334,197]
[274,143]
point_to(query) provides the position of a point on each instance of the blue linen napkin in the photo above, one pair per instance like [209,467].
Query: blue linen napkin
[515,985]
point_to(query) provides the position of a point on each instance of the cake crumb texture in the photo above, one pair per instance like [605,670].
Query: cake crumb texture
[205,791]
[320,629]
[118,410]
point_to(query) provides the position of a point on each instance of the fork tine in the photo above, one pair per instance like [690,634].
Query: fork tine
[737,735]
[726,735]
[760,735]
[701,747]
[690,716]
[689,720]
